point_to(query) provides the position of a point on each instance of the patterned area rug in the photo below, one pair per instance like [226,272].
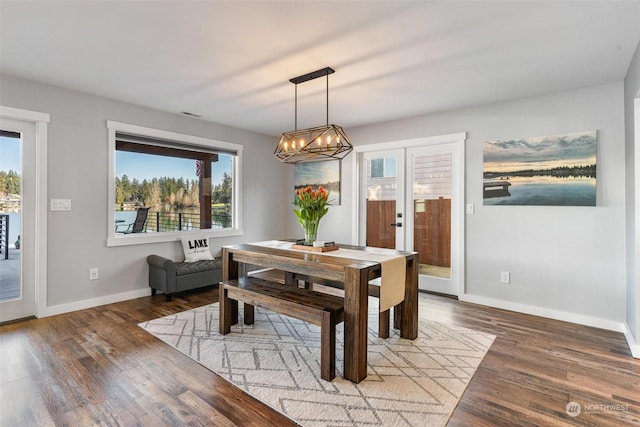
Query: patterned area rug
[277,360]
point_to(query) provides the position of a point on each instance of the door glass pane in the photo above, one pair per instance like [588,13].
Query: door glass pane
[432,213]
[10,216]
[382,188]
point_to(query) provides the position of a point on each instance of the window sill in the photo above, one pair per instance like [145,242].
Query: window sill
[148,238]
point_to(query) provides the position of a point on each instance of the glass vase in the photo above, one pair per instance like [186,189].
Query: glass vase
[310,231]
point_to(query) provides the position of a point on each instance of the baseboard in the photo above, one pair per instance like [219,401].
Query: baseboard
[94,302]
[580,319]
[633,346]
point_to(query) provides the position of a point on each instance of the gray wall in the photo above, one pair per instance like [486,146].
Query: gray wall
[77,169]
[563,260]
[631,92]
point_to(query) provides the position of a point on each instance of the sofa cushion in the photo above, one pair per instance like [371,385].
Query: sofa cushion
[183,268]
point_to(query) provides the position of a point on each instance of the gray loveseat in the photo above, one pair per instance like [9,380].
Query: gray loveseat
[170,277]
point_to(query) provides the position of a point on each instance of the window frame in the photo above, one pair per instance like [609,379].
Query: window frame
[116,239]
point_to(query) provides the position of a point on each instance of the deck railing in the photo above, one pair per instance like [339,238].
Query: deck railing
[178,221]
[4,236]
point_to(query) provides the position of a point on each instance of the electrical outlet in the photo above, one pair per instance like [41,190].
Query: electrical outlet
[93,273]
[505,277]
[470,209]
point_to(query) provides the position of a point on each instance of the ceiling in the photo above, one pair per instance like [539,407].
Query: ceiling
[230,61]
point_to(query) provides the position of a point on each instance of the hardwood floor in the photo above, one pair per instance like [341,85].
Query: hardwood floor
[97,367]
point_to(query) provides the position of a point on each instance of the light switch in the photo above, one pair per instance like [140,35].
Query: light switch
[60,204]
[470,209]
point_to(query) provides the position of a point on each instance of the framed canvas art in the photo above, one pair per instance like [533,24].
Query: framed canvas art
[315,174]
[554,170]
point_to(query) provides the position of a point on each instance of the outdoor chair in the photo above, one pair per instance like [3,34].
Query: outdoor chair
[138,225]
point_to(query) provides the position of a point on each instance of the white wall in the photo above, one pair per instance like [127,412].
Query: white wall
[631,97]
[565,262]
[77,170]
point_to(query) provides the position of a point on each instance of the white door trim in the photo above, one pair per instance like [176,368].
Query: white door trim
[409,143]
[41,121]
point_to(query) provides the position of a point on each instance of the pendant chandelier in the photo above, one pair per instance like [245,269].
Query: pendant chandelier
[328,142]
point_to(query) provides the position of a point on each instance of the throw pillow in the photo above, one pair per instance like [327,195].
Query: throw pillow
[196,248]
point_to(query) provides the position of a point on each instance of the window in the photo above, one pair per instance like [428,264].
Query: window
[186,183]
[383,167]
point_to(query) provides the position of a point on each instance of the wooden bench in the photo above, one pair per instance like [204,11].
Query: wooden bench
[317,308]
[384,318]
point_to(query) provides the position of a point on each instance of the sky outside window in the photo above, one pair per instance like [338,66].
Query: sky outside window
[148,166]
[9,154]
[134,165]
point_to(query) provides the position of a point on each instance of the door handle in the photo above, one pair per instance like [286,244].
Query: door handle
[397,224]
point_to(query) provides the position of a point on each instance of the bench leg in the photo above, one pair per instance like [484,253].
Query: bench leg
[290,279]
[225,312]
[248,314]
[233,312]
[328,346]
[383,323]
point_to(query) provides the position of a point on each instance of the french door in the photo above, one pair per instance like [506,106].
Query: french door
[31,128]
[383,206]
[412,199]
[18,277]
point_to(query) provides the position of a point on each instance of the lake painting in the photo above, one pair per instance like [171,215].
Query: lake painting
[555,170]
[315,174]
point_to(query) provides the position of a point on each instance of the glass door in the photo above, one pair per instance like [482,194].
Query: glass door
[413,199]
[432,229]
[382,178]
[17,220]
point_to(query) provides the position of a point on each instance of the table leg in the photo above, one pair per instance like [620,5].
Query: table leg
[229,266]
[409,307]
[230,272]
[225,311]
[356,309]
[383,323]
[397,316]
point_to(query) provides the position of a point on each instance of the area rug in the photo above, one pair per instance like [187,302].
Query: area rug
[277,360]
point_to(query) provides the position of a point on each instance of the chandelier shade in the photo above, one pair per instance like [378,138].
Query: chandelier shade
[316,144]
[313,145]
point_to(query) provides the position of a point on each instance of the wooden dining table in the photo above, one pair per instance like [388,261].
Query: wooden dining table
[355,274]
